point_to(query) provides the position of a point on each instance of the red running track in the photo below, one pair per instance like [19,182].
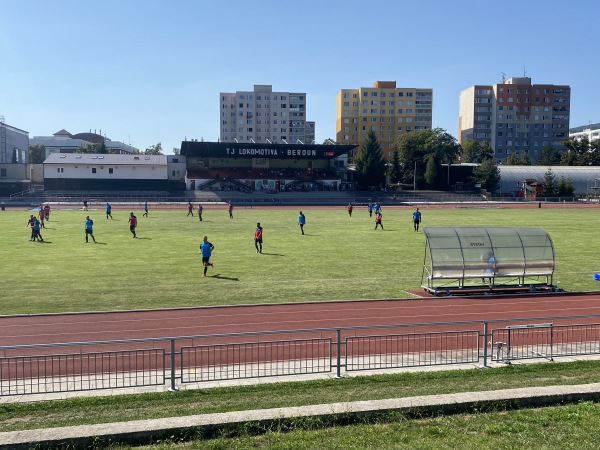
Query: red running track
[85,327]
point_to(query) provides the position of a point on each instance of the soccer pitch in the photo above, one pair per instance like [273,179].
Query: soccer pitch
[339,258]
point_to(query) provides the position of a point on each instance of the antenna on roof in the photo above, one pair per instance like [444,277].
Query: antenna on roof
[503,77]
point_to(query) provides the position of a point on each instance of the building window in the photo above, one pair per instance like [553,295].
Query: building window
[110,170]
[93,170]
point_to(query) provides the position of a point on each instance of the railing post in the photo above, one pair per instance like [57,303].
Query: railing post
[338,352]
[485,344]
[173,387]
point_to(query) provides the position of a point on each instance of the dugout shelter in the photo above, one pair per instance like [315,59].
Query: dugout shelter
[487,260]
[267,167]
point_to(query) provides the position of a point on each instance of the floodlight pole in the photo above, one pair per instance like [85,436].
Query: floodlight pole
[415,177]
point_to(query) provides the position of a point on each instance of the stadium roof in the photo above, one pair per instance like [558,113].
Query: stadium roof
[253,150]
[584,178]
[109,159]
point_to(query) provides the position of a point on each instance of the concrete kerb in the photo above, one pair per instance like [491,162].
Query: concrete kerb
[208,425]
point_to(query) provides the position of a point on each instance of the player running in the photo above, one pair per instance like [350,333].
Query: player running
[206,249]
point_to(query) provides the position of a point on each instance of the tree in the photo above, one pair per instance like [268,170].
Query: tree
[102,148]
[549,183]
[473,151]
[154,150]
[549,156]
[524,160]
[565,187]
[88,148]
[414,149]
[511,160]
[37,153]
[176,151]
[488,175]
[430,171]
[575,152]
[370,165]
[394,171]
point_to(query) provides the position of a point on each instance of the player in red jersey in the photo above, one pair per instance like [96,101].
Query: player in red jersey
[132,224]
[258,238]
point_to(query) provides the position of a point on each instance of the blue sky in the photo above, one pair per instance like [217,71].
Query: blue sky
[151,71]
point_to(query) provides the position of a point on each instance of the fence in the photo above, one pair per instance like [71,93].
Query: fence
[82,366]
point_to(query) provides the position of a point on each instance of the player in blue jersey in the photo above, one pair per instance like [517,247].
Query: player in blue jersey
[108,211]
[370,208]
[416,219]
[206,249]
[89,229]
[301,221]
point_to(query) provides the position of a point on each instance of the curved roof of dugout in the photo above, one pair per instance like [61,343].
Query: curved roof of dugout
[476,252]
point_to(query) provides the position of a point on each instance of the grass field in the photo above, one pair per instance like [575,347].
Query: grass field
[338,258]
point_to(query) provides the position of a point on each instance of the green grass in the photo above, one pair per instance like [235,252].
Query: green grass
[80,411]
[563,427]
[340,258]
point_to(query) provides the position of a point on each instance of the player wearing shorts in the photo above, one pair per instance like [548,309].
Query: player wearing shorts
[206,249]
[378,220]
[190,209]
[301,221]
[132,224]
[89,229]
[416,219]
[258,238]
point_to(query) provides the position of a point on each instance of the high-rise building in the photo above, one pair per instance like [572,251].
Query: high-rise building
[14,144]
[388,110]
[264,116]
[515,116]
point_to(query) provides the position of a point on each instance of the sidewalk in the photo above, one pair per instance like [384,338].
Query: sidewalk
[333,413]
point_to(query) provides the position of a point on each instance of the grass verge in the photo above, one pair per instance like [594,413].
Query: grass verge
[81,411]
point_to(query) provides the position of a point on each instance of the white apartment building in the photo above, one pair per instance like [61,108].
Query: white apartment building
[591,132]
[264,116]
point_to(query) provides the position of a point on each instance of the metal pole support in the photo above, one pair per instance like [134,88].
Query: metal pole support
[173,386]
[338,353]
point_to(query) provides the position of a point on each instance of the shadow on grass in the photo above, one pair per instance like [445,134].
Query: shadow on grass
[144,238]
[225,278]
[272,254]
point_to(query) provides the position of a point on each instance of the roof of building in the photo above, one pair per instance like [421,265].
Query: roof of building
[593,126]
[92,158]
[583,177]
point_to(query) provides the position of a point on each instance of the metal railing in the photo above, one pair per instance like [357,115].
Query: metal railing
[46,368]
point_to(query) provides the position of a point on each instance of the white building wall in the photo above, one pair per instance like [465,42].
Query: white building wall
[123,172]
